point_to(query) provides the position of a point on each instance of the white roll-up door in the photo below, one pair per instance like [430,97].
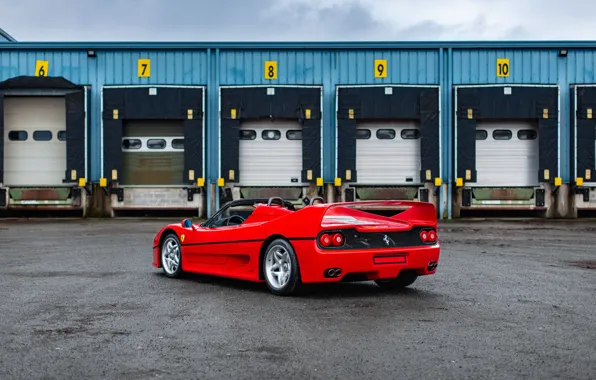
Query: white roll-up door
[388,153]
[34,141]
[507,153]
[270,153]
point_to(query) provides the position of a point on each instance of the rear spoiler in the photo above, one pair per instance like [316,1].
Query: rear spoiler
[406,211]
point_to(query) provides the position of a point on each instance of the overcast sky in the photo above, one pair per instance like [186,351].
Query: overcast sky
[284,20]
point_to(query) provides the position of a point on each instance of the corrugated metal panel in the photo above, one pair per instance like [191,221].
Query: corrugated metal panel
[160,165]
[293,67]
[581,66]
[37,159]
[271,162]
[72,65]
[167,67]
[507,162]
[526,66]
[313,67]
[404,67]
[152,168]
[386,160]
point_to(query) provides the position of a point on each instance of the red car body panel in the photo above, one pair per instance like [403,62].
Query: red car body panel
[235,251]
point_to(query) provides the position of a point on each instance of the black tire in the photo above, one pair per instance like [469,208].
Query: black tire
[169,242]
[403,280]
[290,285]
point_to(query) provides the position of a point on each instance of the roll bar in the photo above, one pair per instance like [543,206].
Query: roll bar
[272,199]
[320,199]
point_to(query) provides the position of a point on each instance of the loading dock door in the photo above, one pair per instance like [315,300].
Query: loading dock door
[388,153]
[507,153]
[60,143]
[414,105]
[477,104]
[270,153]
[153,153]
[34,141]
[146,106]
[278,108]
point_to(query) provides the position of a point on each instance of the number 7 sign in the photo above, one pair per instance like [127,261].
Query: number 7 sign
[144,68]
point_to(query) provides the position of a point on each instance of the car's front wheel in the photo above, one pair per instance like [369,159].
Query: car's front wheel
[171,256]
[280,268]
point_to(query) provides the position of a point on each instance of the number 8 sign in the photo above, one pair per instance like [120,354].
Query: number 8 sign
[271,70]
[380,68]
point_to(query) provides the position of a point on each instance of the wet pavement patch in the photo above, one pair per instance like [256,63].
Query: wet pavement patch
[586,264]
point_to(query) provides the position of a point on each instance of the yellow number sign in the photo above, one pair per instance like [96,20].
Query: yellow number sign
[271,70]
[380,68]
[503,67]
[144,68]
[41,68]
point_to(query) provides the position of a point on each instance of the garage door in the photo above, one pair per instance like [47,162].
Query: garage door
[34,141]
[153,153]
[270,153]
[507,153]
[388,153]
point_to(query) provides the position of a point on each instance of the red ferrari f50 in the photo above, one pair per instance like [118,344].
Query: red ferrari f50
[268,240]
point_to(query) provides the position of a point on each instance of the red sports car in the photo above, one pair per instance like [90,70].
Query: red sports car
[268,240]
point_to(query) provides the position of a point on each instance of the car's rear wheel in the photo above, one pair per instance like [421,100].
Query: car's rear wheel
[403,280]
[171,256]
[280,268]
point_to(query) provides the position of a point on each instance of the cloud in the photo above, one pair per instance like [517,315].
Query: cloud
[279,20]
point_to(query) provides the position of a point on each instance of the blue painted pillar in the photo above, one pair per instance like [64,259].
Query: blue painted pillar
[449,130]
[208,133]
[442,144]
[215,128]
[564,121]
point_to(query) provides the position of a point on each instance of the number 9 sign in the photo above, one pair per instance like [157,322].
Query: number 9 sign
[380,68]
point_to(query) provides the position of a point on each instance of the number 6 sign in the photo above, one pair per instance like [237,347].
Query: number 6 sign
[41,68]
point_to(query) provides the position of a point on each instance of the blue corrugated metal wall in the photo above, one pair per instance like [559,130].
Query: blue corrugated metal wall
[329,65]
[121,68]
[328,69]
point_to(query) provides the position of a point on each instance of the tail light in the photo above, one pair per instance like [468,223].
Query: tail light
[331,239]
[432,236]
[338,239]
[325,240]
[428,236]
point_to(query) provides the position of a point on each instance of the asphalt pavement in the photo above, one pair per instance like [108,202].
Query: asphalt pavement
[510,300]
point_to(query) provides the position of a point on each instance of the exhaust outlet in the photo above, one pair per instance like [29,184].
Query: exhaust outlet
[432,266]
[332,273]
